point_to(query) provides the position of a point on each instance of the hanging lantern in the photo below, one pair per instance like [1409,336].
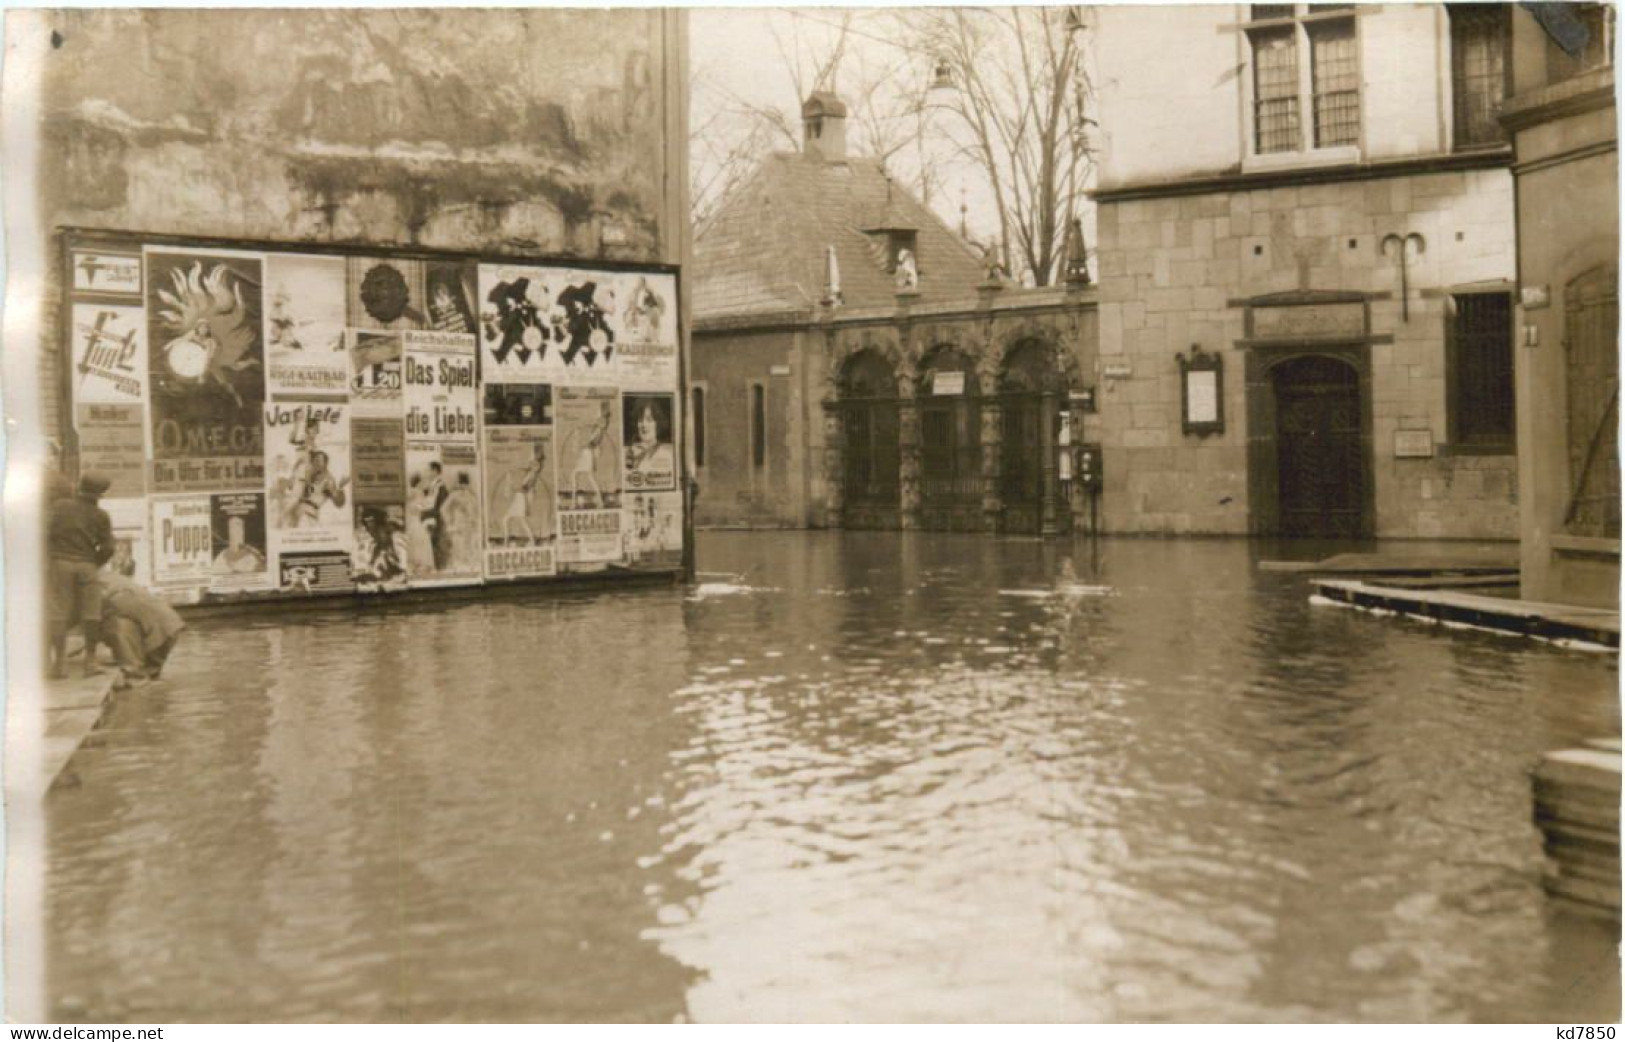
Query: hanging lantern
[943,77]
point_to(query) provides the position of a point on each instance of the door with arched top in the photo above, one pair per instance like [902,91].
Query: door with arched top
[1030,391]
[869,443]
[1320,465]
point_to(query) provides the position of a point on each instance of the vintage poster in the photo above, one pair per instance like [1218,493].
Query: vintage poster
[519,508]
[378,460]
[451,288]
[305,350]
[307,447]
[109,355]
[654,530]
[132,549]
[441,392]
[207,370]
[113,443]
[237,526]
[375,374]
[546,325]
[444,543]
[385,293]
[109,272]
[182,537]
[314,572]
[518,404]
[588,436]
[378,561]
[646,331]
[651,457]
[589,537]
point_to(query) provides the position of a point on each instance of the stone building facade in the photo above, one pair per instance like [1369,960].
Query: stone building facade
[1306,201]
[1563,120]
[856,365]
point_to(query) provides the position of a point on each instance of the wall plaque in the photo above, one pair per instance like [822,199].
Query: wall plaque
[947,383]
[1413,444]
[1309,322]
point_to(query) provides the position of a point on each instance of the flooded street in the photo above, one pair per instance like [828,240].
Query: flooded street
[874,777]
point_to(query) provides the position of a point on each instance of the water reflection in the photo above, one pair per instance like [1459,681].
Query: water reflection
[878,777]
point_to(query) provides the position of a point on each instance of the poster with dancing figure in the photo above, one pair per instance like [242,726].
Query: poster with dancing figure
[547,325]
[520,528]
[444,544]
[206,369]
[308,494]
[306,352]
[588,425]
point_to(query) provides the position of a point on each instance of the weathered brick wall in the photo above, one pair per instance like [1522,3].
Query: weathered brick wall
[504,131]
[1170,270]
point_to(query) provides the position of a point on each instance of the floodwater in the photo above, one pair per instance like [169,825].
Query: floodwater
[870,777]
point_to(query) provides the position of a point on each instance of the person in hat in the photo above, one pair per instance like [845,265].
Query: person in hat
[79,540]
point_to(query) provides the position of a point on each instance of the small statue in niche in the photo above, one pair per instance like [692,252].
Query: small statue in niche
[908,272]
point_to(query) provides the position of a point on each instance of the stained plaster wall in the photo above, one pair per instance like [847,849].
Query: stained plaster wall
[503,131]
[1170,269]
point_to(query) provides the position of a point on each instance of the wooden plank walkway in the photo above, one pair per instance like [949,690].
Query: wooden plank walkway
[1577,811]
[1557,622]
[1465,561]
[73,709]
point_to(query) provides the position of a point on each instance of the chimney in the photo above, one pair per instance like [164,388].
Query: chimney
[823,126]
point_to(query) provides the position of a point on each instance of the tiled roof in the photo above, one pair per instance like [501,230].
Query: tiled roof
[764,249]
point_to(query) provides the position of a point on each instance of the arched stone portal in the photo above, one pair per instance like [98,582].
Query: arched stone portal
[1031,391]
[950,411]
[867,408]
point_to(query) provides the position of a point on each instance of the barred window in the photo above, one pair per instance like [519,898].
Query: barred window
[1283,92]
[1336,72]
[1275,90]
[1479,372]
[1480,35]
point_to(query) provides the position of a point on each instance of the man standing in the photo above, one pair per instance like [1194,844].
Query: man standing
[79,539]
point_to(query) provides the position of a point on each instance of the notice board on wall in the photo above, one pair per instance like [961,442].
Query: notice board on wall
[281,420]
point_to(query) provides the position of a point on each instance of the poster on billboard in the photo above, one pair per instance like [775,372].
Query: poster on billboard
[385,293]
[378,460]
[308,493]
[314,572]
[378,561]
[238,531]
[182,538]
[375,374]
[651,458]
[132,550]
[98,272]
[588,436]
[523,405]
[590,537]
[441,391]
[654,530]
[113,443]
[443,533]
[306,353]
[109,346]
[206,370]
[646,331]
[451,286]
[519,508]
[546,325]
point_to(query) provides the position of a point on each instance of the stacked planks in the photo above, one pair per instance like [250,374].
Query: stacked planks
[1577,809]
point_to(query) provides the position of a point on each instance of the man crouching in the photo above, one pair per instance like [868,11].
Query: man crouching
[140,628]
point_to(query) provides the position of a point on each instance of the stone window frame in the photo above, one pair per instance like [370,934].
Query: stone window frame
[1304,23]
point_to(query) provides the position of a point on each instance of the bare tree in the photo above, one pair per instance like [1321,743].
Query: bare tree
[1018,108]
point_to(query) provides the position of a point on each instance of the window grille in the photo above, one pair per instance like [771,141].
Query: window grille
[1335,69]
[1275,90]
[1479,38]
[1480,359]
